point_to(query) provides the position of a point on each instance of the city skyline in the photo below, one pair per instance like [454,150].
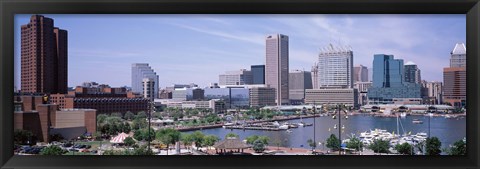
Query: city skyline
[98,53]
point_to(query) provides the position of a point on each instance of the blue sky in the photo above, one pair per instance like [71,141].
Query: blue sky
[197,48]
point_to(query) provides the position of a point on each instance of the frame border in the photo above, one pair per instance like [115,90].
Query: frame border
[9,8]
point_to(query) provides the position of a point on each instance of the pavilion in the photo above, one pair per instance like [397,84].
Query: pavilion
[230,145]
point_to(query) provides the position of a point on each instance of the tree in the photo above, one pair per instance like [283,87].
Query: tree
[458,148]
[52,150]
[380,146]
[231,135]
[405,148]
[433,146]
[251,139]
[101,119]
[168,136]
[128,115]
[264,139]
[198,138]
[187,139]
[24,137]
[333,142]
[355,143]
[129,141]
[143,150]
[141,115]
[311,143]
[258,146]
[139,123]
[210,140]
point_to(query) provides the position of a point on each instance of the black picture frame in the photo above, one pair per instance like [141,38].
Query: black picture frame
[9,8]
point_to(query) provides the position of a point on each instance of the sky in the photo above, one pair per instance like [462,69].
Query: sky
[185,49]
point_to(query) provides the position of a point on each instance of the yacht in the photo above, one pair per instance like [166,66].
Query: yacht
[403,115]
[416,121]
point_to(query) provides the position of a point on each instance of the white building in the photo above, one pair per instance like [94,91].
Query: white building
[148,88]
[141,71]
[335,67]
[362,88]
[459,56]
[239,77]
[277,66]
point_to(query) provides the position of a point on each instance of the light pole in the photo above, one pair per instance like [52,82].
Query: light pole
[152,104]
[314,124]
[340,127]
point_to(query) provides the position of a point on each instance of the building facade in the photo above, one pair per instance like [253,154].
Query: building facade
[360,73]
[277,66]
[362,88]
[435,92]
[44,57]
[258,74]
[459,56]
[148,88]
[298,82]
[262,96]
[335,67]
[412,73]
[332,96]
[141,71]
[240,77]
[315,76]
[388,81]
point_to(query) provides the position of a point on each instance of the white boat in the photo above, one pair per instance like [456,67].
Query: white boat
[283,127]
[416,121]
[289,131]
[227,124]
[403,115]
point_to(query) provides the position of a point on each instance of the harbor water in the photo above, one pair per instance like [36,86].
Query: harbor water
[448,130]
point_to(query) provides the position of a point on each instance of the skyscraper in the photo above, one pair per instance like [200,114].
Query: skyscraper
[44,57]
[335,67]
[360,73]
[388,81]
[315,76]
[298,82]
[276,67]
[455,77]
[459,56]
[148,88]
[258,74]
[141,71]
[412,73]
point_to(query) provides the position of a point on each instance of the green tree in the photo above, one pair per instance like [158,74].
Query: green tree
[128,116]
[139,123]
[52,150]
[187,139]
[355,143]
[458,148]
[210,140]
[168,136]
[311,143]
[129,141]
[24,137]
[380,146]
[231,135]
[258,146]
[251,139]
[264,139]
[405,148]
[101,119]
[333,142]
[433,146]
[141,115]
[143,150]
[198,138]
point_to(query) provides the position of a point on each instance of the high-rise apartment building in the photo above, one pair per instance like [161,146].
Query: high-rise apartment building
[262,96]
[412,73]
[435,92]
[258,74]
[335,67]
[148,88]
[298,82]
[276,67]
[455,77]
[141,71]
[360,73]
[240,77]
[44,57]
